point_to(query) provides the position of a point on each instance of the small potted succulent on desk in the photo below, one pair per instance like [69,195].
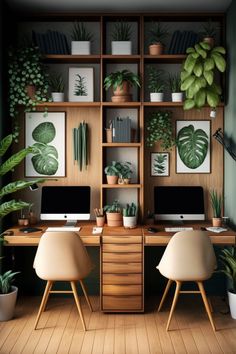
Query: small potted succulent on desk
[130,216]
[158,33]
[216,203]
[121,43]
[113,213]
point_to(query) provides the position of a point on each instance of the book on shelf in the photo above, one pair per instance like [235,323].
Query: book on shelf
[180,41]
[121,130]
[51,42]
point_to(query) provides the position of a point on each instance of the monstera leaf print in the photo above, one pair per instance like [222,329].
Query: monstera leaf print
[45,159]
[192,146]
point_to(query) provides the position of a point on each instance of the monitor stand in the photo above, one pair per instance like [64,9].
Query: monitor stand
[70,223]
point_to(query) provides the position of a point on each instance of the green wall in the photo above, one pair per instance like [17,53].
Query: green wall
[230,115]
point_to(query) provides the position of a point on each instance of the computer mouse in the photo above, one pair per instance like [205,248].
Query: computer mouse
[152,229]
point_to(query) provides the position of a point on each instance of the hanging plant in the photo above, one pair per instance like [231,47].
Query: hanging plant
[28,84]
[198,75]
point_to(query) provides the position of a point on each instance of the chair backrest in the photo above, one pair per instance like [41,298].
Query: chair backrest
[62,256]
[188,256]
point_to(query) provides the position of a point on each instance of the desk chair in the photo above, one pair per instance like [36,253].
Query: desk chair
[189,256]
[61,256]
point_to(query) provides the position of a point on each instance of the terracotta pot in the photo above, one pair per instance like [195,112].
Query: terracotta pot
[122,90]
[30,89]
[124,180]
[156,49]
[32,218]
[216,222]
[209,40]
[120,99]
[23,222]
[114,219]
[100,220]
[112,179]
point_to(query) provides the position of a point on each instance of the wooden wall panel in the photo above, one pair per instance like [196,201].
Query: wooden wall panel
[207,181]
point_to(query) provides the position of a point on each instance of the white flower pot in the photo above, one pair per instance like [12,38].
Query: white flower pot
[177,96]
[156,97]
[232,304]
[7,304]
[80,47]
[130,221]
[58,96]
[121,47]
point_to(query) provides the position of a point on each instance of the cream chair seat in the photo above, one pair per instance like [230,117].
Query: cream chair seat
[189,256]
[61,256]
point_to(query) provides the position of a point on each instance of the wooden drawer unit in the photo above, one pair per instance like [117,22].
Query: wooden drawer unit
[122,272]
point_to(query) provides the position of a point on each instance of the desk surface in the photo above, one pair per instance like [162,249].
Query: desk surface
[160,238]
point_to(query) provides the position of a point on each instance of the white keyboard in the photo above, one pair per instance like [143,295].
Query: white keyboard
[63,228]
[177,229]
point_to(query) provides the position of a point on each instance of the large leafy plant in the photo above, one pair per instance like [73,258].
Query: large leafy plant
[160,128]
[25,68]
[198,75]
[192,146]
[228,260]
[115,79]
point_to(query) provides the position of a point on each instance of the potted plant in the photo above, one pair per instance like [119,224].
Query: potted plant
[7,299]
[216,203]
[23,220]
[121,81]
[228,261]
[81,39]
[121,43]
[28,84]
[158,33]
[175,84]
[112,172]
[156,84]
[160,129]
[150,218]
[125,171]
[57,87]
[100,217]
[113,213]
[208,33]
[130,216]
[198,75]
[8,295]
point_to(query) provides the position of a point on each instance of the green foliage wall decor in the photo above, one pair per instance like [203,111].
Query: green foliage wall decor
[160,128]
[80,86]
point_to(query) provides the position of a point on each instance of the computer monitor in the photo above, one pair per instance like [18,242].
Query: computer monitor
[179,203]
[70,203]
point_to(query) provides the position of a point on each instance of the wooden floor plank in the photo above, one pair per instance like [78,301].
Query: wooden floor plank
[141,334]
[152,333]
[119,343]
[130,334]
[109,339]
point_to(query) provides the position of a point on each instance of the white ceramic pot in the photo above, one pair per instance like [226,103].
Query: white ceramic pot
[177,96]
[7,304]
[156,97]
[121,47]
[232,304]
[58,96]
[80,47]
[130,221]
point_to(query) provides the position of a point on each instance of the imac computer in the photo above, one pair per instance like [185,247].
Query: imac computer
[179,203]
[69,203]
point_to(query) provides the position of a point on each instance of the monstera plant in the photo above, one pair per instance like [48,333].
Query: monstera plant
[198,75]
[45,159]
[192,146]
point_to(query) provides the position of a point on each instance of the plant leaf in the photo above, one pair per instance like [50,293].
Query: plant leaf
[187,83]
[212,98]
[189,63]
[15,186]
[14,160]
[189,104]
[209,64]
[5,144]
[209,76]
[10,206]
[200,51]
[200,98]
[220,50]
[198,69]
[219,61]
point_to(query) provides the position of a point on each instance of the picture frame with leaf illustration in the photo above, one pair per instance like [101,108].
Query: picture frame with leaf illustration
[47,136]
[81,85]
[193,146]
[159,164]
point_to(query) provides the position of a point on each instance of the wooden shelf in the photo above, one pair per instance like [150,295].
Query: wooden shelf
[69,104]
[122,104]
[165,58]
[117,186]
[121,58]
[111,145]
[163,104]
[61,58]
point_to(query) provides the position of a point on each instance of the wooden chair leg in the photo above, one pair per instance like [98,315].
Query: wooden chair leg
[210,304]
[43,302]
[47,295]
[165,293]
[205,301]
[86,295]
[177,290]
[74,289]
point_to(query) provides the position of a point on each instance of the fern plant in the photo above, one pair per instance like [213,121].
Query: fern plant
[228,261]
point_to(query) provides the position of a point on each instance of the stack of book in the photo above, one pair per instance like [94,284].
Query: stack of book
[180,41]
[121,130]
[51,42]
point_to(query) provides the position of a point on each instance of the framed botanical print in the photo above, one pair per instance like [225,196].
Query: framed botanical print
[47,136]
[193,146]
[159,164]
[81,87]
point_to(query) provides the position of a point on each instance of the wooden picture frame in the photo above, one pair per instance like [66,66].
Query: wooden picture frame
[47,136]
[160,165]
[193,156]
[81,85]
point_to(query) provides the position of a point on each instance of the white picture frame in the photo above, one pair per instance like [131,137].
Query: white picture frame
[160,164]
[47,135]
[199,161]
[81,85]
